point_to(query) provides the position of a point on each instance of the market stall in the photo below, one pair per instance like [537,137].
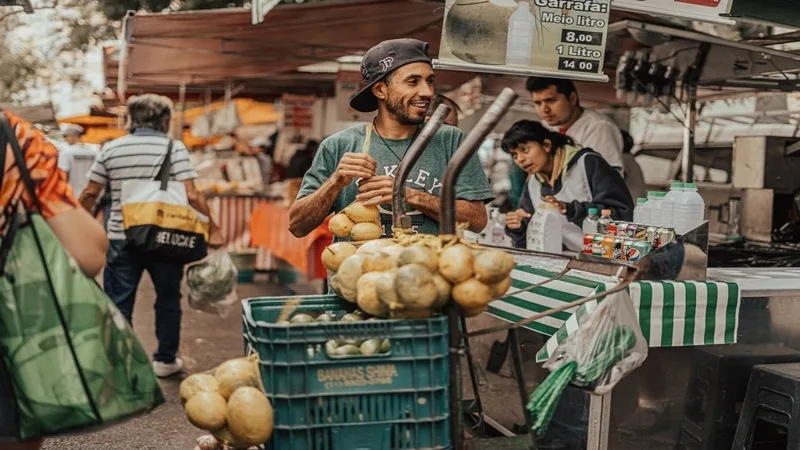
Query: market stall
[681,317]
[269,232]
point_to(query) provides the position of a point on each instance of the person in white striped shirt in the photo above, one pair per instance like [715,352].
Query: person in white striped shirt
[139,155]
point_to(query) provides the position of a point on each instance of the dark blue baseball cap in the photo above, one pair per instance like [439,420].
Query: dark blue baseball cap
[382,60]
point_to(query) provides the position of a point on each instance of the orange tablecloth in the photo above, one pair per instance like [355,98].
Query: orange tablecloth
[269,229]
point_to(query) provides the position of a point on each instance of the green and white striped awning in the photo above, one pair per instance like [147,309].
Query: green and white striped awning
[671,313]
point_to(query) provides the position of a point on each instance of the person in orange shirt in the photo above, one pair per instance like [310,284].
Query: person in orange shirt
[81,235]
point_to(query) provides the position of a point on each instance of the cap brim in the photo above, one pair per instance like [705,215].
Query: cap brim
[364,100]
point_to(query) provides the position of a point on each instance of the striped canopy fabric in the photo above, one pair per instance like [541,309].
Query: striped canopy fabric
[671,313]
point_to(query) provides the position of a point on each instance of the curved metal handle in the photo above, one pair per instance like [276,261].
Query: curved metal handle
[499,108]
[399,217]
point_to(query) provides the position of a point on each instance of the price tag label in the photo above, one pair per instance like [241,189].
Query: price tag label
[578,65]
[581,37]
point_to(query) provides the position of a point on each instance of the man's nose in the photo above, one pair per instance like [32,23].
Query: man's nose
[426,90]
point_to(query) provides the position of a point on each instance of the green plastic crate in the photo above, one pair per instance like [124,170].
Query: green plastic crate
[388,401]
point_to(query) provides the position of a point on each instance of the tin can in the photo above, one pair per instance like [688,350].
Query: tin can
[631,232]
[643,248]
[622,229]
[629,252]
[653,236]
[588,244]
[597,246]
[608,246]
[616,252]
[667,236]
[626,243]
[612,229]
[641,232]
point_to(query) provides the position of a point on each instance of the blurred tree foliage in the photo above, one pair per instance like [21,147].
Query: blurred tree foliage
[116,9]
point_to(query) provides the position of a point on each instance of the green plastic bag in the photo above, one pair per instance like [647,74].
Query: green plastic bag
[68,358]
[72,360]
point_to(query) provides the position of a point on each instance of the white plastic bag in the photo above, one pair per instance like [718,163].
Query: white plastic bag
[607,345]
[212,283]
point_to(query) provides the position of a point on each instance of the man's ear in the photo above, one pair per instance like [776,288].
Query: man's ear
[573,98]
[380,90]
[547,145]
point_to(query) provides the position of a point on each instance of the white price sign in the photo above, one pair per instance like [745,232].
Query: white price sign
[557,38]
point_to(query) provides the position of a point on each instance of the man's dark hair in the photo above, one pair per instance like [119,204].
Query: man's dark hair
[627,142]
[531,131]
[536,84]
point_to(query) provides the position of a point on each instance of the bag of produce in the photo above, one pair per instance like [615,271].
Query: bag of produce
[212,283]
[607,346]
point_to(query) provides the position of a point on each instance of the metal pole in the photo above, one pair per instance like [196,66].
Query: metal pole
[690,82]
[399,217]
[181,107]
[485,125]
[687,156]
[447,225]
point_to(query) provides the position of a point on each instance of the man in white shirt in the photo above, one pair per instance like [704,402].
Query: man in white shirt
[558,105]
[75,158]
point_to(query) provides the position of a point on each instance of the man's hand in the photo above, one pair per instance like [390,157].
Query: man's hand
[514,219]
[354,165]
[377,190]
[561,206]
[215,239]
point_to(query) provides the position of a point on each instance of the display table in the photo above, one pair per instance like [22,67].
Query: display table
[671,313]
[269,231]
[743,308]
[232,213]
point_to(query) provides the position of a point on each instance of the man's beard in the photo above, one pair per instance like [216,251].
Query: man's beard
[400,112]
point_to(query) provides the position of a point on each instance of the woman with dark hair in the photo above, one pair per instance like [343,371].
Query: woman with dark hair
[562,174]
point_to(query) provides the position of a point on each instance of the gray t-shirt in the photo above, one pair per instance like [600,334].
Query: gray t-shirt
[136,156]
[426,175]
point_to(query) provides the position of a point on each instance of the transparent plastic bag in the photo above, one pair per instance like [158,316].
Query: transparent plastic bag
[607,345]
[212,283]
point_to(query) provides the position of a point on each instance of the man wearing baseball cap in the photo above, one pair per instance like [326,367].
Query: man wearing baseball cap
[359,163]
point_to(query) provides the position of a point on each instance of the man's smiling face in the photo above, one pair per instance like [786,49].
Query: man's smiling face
[409,91]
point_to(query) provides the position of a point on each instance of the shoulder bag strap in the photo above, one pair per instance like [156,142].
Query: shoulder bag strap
[3,150]
[166,166]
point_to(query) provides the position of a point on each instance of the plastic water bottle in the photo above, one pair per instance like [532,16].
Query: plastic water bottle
[668,207]
[690,209]
[655,200]
[604,221]
[640,211]
[520,35]
[498,234]
[544,230]
[590,223]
